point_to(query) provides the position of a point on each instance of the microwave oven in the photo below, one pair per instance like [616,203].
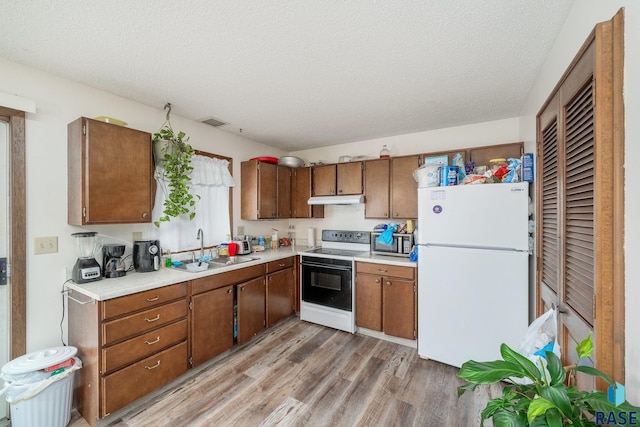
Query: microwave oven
[401,245]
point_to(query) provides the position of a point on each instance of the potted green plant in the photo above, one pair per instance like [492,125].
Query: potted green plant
[174,153]
[544,398]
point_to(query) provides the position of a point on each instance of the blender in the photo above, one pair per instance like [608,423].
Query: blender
[86,268]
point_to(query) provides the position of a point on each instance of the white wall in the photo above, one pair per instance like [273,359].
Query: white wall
[582,19]
[59,102]
[351,217]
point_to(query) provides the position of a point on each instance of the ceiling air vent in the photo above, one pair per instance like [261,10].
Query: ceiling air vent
[212,121]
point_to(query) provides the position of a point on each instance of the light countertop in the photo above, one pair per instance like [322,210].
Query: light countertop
[133,282]
[137,282]
[386,259]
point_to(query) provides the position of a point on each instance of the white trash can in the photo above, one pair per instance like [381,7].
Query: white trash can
[38,395]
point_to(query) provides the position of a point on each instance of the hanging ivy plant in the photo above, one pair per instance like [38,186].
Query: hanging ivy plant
[174,153]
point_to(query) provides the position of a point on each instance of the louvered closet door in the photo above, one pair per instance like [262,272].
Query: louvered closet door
[566,209]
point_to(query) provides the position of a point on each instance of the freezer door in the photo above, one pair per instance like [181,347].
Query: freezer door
[489,215]
[469,302]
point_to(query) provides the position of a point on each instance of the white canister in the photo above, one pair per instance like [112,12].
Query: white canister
[311,237]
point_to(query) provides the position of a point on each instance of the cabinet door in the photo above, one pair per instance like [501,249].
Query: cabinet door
[349,178]
[376,188]
[324,180]
[211,324]
[404,189]
[280,302]
[110,178]
[369,301]
[301,191]
[482,155]
[284,192]
[399,308]
[251,309]
[258,190]
[267,190]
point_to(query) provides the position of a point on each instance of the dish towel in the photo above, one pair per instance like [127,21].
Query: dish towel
[386,237]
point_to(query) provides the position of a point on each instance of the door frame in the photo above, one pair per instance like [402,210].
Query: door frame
[17,218]
[609,333]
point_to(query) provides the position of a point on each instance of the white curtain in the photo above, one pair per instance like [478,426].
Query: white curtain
[210,179]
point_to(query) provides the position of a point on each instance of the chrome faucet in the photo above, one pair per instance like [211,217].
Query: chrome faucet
[201,238]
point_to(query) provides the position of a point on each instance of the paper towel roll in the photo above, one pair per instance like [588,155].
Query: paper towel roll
[311,237]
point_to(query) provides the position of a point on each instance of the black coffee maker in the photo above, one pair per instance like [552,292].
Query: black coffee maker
[112,262]
[146,255]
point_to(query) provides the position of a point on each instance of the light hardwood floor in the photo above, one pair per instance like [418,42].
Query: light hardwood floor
[298,374]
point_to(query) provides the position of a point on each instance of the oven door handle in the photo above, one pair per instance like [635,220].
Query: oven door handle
[327,266]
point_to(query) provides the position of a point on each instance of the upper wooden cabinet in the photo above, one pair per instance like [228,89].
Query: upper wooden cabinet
[258,190]
[481,156]
[283,197]
[324,180]
[376,188]
[349,178]
[110,174]
[404,194]
[265,190]
[337,179]
[300,193]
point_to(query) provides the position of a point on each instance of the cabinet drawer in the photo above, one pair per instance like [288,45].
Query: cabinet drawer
[280,264]
[141,300]
[386,270]
[128,384]
[142,346]
[144,321]
[228,278]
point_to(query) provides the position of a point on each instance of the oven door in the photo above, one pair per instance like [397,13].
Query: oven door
[327,282]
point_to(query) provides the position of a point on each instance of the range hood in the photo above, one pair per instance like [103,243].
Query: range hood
[337,200]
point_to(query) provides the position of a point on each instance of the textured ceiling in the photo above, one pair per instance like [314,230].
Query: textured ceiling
[297,74]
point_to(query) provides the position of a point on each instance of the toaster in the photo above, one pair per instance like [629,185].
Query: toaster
[244,247]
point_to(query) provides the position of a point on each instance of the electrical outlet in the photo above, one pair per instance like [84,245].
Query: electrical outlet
[241,230]
[45,245]
[136,235]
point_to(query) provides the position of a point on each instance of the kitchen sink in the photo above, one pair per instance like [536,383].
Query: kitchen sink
[230,260]
[220,262]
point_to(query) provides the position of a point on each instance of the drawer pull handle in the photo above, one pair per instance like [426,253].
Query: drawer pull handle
[153,367]
[157,340]
[381,270]
[281,265]
[154,319]
[377,280]
[157,297]
[230,291]
[388,283]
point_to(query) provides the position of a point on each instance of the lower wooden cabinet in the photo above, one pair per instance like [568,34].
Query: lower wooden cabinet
[132,345]
[129,346]
[386,299]
[251,308]
[126,385]
[281,284]
[211,324]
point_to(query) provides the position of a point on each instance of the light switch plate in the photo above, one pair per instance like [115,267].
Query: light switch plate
[240,230]
[136,235]
[45,245]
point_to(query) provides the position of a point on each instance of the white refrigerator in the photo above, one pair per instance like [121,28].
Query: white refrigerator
[473,270]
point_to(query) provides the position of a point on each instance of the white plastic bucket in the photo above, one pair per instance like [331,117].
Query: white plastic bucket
[38,397]
[49,408]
